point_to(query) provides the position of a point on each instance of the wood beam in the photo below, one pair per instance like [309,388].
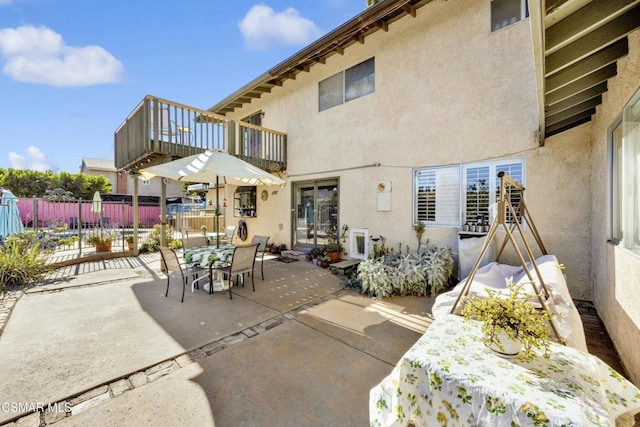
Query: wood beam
[593,79]
[593,41]
[571,122]
[584,21]
[556,11]
[574,111]
[410,10]
[576,99]
[587,65]
[340,50]
[382,25]
[361,39]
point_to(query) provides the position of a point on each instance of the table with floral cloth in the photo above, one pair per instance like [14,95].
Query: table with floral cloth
[203,255]
[450,378]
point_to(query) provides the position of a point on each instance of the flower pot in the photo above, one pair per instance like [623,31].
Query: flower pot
[335,257]
[324,264]
[508,346]
[130,245]
[103,246]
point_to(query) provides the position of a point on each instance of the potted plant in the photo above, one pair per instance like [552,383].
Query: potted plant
[130,242]
[316,252]
[102,240]
[203,228]
[510,318]
[333,248]
[275,249]
[325,261]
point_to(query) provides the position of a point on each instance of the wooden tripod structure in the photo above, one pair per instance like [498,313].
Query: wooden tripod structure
[509,187]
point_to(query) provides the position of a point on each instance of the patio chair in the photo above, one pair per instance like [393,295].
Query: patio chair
[243,261]
[194,241]
[262,244]
[171,263]
[229,233]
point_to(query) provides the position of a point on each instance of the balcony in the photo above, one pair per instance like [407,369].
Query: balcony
[158,131]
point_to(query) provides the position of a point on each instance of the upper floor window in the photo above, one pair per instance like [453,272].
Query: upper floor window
[446,196]
[347,85]
[507,12]
[625,177]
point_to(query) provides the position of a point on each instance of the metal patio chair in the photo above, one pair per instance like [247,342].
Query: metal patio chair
[243,261]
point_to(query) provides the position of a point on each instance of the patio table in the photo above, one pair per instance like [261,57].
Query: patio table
[449,377]
[205,256]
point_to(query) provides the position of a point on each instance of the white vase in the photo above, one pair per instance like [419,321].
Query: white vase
[510,347]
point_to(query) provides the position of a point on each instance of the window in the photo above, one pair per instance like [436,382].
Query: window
[446,195]
[331,92]
[252,138]
[507,12]
[346,86]
[438,196]
[244,202]
[359,80]
[625,177]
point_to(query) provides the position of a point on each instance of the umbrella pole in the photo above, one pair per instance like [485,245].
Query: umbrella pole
[217,214]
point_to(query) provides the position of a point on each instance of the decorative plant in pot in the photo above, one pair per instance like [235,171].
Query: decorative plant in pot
[130,242]
[101,239]
[325,261]
[316,253]
[510,318]
[333,248]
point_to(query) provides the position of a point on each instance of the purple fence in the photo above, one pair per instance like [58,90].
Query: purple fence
[36,213]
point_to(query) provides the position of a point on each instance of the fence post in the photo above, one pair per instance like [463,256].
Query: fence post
[35,214]
[80,227]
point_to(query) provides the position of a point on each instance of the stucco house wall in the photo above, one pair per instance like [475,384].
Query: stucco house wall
[615,270]
[447,91]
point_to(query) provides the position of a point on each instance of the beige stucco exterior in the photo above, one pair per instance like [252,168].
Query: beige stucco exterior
[615,270]
[448,91]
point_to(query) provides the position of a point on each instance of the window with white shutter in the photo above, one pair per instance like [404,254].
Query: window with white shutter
[443,196]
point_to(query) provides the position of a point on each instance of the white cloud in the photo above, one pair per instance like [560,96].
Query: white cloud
[39,55]
[5,2]
[35,160]
[263,27]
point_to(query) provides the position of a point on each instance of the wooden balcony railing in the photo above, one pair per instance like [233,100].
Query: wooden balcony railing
[159,130]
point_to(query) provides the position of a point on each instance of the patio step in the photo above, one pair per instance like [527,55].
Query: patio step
[343,266]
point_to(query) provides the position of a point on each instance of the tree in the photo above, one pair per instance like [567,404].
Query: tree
[27,183]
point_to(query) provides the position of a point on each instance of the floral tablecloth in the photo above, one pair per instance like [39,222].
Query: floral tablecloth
[203,255]
[450,378]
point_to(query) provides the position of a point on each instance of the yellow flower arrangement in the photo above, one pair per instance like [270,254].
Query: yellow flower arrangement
[514,315]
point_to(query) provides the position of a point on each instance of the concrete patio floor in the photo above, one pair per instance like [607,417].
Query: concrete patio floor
[107,344]
[100,340]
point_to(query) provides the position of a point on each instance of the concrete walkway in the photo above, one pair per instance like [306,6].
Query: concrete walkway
[109,349]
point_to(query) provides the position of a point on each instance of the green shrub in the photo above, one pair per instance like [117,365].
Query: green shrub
[427,272]
[21,263]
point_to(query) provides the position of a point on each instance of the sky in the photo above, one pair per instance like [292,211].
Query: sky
[72,70]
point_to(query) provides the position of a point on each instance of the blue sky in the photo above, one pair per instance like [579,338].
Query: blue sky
[71,71]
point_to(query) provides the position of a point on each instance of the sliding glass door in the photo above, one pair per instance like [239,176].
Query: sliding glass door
[315,212]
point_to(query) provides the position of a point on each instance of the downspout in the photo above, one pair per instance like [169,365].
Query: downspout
[536,18]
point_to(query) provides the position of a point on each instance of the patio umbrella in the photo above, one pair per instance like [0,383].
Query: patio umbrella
[212,166]
[10,222]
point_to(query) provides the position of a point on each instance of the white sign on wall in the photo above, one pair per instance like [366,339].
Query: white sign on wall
[384,196]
